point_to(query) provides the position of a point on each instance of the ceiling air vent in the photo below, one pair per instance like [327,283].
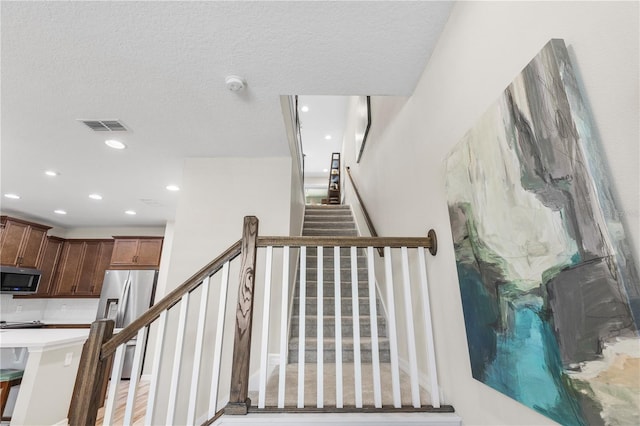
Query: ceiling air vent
[105,125]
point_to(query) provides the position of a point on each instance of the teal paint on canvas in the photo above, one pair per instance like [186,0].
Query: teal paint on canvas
[550,294]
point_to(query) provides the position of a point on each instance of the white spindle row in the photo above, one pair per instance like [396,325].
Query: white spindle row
[393,335]
[178,344]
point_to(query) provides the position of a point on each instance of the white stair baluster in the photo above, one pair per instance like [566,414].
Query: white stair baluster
[284,304]
[177,360]
[116,373]
[373,315]
[411,337]
[320,334]
[357,366]
[262,389]
[217,346]
[431,350]
[197,356]
[392,329]
[338,314]
[134,379]
[155,370]
[301,324]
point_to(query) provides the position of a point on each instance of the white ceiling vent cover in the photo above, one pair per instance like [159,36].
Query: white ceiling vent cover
[105,125]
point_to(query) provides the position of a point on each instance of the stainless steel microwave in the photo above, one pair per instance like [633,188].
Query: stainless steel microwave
[19,280]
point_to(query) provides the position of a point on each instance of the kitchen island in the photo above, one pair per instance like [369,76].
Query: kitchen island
[52,359]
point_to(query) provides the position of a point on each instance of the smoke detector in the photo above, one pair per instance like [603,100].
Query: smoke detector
[235,83]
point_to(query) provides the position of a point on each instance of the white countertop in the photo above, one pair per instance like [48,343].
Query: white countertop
[42,338]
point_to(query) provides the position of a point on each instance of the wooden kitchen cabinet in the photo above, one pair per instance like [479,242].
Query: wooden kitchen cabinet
[136,252]
[81,267]
[48,263]
[21,242]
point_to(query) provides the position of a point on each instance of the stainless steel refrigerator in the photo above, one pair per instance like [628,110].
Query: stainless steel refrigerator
[126,294]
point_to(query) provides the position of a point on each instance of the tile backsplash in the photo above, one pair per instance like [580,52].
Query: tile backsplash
[60,311]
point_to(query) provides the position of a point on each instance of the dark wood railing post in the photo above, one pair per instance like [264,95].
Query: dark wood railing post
[86,396]
[239,403]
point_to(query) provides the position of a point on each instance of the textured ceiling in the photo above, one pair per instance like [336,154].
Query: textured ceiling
[160,67]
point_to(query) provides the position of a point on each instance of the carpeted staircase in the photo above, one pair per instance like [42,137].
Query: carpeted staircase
[334,221]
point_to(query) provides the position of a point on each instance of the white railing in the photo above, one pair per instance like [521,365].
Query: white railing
[191,370]
[365,365]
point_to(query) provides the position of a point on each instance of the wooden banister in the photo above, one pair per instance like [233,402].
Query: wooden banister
[431,235]
[367,219]
[378,242]
[239,403]
[168,301]
[91,373]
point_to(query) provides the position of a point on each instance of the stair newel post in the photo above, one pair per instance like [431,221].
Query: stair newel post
[87,393]
[239,402]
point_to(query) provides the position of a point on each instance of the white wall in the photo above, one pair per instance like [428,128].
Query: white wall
[216,194]
[401,176]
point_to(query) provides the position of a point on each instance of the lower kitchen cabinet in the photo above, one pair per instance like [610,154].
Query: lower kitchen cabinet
[81,267]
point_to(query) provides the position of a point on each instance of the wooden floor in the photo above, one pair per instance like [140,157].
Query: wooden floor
[121,399]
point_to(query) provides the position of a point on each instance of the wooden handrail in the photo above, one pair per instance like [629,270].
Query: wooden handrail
[168,301]
[429,241]
[367,219]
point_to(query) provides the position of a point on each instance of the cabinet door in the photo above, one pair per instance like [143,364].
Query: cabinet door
[149,252]
[69,267]
[104,259]
[32,247]
[124,252]
[87,268]
[48,262]
[12,236]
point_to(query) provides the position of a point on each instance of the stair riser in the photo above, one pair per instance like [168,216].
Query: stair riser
[327,208]
[347,355]
[329,307]
[329,262]
[328,252]
[328,327]
[329,225]
[328,218]
[329,233]
[328,290]
[328,274]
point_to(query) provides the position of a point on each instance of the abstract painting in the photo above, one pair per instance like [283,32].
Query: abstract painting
[549,286]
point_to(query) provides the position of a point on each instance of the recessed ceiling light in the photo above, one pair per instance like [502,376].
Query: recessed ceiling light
[130,212]
[112,143]
[304,108]
[325,170]
[328,137]
[95,196]
[173,188]
[51,173]
[12,196]
[59,211]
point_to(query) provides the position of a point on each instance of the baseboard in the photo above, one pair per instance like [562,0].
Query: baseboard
[273,361]
[423,379]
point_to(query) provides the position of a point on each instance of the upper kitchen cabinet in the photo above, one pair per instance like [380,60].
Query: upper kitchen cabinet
[21,242]
[136,252]
[48,264]
[81,267]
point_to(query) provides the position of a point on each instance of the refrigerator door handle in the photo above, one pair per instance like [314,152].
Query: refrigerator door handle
[122,306]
